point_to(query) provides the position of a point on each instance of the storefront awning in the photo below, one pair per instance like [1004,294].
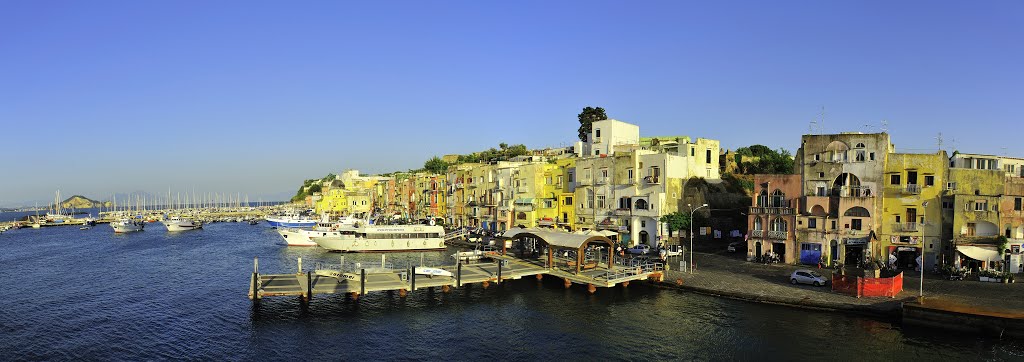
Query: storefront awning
[978,253]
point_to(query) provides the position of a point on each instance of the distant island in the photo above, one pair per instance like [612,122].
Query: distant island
[82,202]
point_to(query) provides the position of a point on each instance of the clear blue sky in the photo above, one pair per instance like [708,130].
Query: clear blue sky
[98,97]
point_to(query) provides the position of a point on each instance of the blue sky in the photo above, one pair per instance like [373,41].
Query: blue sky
[99,97]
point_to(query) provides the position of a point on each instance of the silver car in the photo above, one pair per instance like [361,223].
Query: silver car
[805,276]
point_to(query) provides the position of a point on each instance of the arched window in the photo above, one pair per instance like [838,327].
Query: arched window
[758,224]
[859,145]
[521,216]
[762,198]
[817,210]
[779,224]
[857,211]
[777,198]
[641,204]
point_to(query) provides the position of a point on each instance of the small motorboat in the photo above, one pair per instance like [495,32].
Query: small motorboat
[432,271]
[84,228]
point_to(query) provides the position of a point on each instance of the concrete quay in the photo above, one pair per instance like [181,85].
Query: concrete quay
[971,306]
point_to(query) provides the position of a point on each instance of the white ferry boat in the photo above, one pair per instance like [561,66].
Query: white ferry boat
[177,223]
[126,225]
[373,238]
[304,237]
[291,221]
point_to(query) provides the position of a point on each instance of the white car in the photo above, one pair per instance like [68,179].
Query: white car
[805,276]
[733,246]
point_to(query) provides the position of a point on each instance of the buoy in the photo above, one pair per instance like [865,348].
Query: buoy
[679,281]
[486,284]
[591,288]
[625,284]
[402,293]
[354,295]
[445,288]
[540,276]
[567,283]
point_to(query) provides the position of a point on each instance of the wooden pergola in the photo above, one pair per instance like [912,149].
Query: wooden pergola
[556,239]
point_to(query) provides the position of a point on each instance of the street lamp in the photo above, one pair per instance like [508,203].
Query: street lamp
[692,210]
[924,207]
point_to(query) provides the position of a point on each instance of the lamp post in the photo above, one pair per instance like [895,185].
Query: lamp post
[924,207]
[692,210]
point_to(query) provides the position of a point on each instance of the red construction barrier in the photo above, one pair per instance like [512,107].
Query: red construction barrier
[868,287]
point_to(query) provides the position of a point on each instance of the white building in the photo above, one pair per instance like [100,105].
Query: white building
[606,134]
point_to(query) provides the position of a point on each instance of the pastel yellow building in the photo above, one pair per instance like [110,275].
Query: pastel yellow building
[911,216]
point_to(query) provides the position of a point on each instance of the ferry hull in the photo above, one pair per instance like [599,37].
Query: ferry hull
[355,245]
[295,237]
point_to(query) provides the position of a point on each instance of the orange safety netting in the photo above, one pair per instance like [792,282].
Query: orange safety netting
[868,287]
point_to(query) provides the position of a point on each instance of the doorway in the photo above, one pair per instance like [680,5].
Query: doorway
[643,237]
[854,255]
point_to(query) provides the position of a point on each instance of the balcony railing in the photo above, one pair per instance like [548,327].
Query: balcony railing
[905,226]
[912,189]
[757,233]
[855,191]
[777,234]
[523,189]
[651,179]
[772,210]
[622,212]
[601,180]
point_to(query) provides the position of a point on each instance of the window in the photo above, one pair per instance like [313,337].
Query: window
[1017,203]
[558,180]
[604,173]
[929,180]
[812,223]
[894,179]
[547,180]
[821,175]
[951,186]
[549,203]
[980,206]
[597,135]
[597,152]
[568,201]
[871,156]
[860,156]
[572,176]
[758,224]
[947,205]
[833,224]
[600,202]
[859,145]
[643,223]
[707,159]
[821,191]
[629,174]
[693,151]
[590,199]
[817,157]
[855,224]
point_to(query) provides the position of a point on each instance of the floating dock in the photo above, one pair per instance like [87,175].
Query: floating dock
[493,268]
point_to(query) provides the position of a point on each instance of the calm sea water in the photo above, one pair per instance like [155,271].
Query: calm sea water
[89,294]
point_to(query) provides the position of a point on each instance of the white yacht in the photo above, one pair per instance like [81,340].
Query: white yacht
[374,238]
[177,223]
[127,225]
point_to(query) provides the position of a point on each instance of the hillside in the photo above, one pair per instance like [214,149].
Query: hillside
[82,202]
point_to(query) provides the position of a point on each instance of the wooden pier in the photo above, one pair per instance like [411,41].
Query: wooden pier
[494,268]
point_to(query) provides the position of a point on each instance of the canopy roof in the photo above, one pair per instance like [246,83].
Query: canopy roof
[979,253]
[558,238]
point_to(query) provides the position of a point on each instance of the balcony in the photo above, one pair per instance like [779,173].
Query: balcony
[771,210]
[778,234]
[855,191]
[757,233]
[651,180]
[601,181]
[908,189]
[622,212]
[523,189]
[905,227]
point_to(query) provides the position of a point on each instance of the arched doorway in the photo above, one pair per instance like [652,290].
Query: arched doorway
[844,180]
[757,249]
[643,237]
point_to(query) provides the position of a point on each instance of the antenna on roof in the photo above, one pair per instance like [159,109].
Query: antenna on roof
[821,125]
[938,140]
[885,125]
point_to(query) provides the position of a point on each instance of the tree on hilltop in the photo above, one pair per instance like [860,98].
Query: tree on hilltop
[435,165]
[587,119]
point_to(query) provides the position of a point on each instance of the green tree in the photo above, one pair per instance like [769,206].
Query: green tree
[587,118]
[676,221]
[435,165]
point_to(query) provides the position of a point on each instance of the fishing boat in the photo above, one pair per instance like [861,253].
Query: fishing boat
[291,221]
[127,225]
[177,223]
[374,238]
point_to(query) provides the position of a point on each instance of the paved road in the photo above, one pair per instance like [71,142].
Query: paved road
[729,274]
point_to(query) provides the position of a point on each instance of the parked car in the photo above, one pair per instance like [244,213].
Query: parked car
[640,249]
[733,247]
[671,250]
[805,276]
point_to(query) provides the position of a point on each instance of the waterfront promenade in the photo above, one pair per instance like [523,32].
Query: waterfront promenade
[730,276]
